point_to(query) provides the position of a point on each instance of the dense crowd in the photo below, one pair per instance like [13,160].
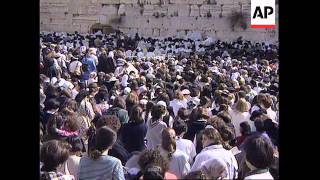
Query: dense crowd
[119,107]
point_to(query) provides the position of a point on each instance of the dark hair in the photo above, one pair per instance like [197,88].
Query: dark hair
[225,116]
[69,105]
[259,152]
[150,158]
[72,123]
[168,142]
[157,111]
[183,113]
[132,99]
[53,153]
[266,102]
[198,175]
[149,107]
[75,142]
[81,95]
[112,121]
[245,128]
[214,135]
[179,127]
[257,114]
[259,124]
[205,101]
[51,92]
[136,114]
[52,104]
[119,102]
[104,139]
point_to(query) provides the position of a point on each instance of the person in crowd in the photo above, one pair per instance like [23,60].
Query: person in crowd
[178,160]
[154,166]
[240,114]
[134,132]
[155,126]
[118,149]
[89,81]
[52,154]
[119,109]
[99,164]
[245,130]
[184,145]
[213,149]
[71,166]
[199,175]
[259,156]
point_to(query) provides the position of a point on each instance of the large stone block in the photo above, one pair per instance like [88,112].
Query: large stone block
[205,9]
[103,19]
[133,10]
[156,32]
[109,10]
[148,10]
[187,1]
[128,1]
[172,10]
[92,10]
[183,10]
[181,23]
[194,10]
[109,1]
[153,2]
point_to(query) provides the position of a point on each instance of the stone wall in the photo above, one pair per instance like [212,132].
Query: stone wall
[154,17]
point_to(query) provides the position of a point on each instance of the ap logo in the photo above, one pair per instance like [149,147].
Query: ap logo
[263,14]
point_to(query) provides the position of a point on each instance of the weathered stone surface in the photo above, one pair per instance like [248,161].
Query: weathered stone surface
[194,10]
[128,1]
[152,17]
[109,1]
[122,10]
[187,1]
[183,10]
[109,10]
[156,32]
[133,10]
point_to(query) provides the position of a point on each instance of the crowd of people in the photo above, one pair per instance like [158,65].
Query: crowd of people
[119,107]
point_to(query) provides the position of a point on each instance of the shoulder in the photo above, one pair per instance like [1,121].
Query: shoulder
[180,154]
[187,142]
[266,175]
[161,123]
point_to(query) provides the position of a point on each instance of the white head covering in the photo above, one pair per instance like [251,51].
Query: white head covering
[214,168]
[162,103]
[127,90]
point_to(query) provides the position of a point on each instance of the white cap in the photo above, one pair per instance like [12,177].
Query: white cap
[162,103]
[127,90]
[185,92]
[143,101]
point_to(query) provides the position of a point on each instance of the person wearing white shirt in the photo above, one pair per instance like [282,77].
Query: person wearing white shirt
[178,160]
[178,103]
[184,145]
[155,126]
[239,115]
[213,149]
